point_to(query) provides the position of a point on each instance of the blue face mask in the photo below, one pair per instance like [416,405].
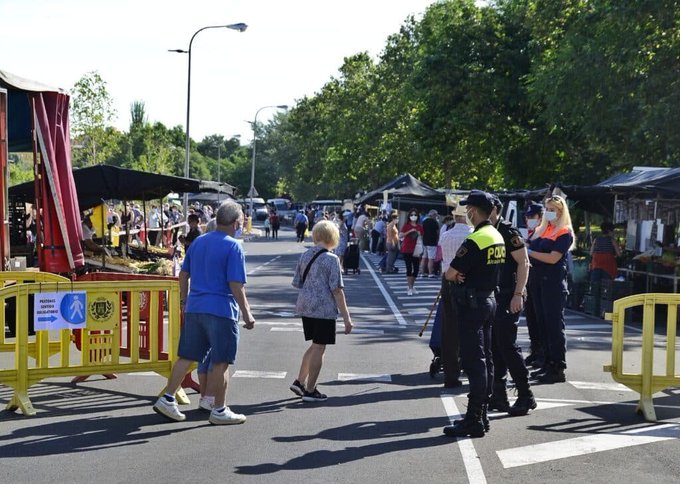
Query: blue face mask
[238,233]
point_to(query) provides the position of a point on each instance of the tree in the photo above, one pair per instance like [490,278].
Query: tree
[91,112]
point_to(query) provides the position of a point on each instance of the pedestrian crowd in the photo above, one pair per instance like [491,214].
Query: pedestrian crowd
[489,274]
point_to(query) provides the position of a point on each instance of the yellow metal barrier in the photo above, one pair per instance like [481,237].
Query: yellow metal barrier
[21,277]
[646,383]
[100,339]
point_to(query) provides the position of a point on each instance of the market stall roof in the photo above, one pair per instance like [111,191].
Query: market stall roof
[405,186]
[19,131]
[106,182]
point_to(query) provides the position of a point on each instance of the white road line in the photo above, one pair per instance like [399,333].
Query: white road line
[277,323]
[285,329]
[386,295]
[471,460]
[365,331]
[259,374]
[586,445]
[263,265]
[363,377]
[585,327]
[586,385]
[426,297]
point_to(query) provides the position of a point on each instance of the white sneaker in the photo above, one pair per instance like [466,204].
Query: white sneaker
[168,409]
[206,403]
[227,417]
[415,291]
[409,291]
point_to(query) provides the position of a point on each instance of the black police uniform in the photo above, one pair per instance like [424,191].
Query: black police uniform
[479,258]
[507,355]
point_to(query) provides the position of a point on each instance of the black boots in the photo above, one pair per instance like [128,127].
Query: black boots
[472,425]
[525,401]
[499,397]
[552,375]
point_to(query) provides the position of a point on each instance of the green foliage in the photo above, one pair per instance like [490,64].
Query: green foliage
[509,94]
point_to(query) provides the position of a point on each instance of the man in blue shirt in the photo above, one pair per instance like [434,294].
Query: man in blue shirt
[215,263]
[301,223]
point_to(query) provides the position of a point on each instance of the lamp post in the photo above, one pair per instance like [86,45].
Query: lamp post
[240,27]
[251,193]
[219,159]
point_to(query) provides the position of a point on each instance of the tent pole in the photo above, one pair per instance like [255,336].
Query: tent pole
[146,231]
[103,220]
[162,226]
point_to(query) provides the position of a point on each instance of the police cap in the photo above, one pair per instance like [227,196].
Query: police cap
[478,198]
[534,209]
[497,203]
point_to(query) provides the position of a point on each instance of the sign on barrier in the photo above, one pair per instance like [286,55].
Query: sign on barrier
[60,310]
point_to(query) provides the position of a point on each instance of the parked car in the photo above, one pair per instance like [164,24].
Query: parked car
[283,207]
[259,207]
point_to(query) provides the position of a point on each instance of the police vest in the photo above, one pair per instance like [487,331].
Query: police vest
[490,243]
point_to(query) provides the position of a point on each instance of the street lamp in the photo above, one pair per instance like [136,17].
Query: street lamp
[239,27]
[251,193]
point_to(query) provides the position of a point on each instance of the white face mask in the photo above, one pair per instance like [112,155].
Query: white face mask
[532,223]
[413,218]
[550,216]
[468,219]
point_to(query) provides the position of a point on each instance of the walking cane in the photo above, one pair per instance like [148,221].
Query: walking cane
[436,301]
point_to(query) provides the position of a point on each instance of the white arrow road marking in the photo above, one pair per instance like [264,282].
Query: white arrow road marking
[588,444]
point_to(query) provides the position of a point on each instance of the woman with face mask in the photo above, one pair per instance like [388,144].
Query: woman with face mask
[409,234]
[532,217]
[548,249]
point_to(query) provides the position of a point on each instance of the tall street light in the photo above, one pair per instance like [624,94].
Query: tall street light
[239,27]
[219,159]
[251,193]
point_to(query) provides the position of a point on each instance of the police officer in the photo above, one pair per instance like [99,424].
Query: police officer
[474,272]
[507,356]
[536,358]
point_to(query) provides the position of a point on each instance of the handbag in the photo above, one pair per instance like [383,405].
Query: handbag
[438,254]
[418,250]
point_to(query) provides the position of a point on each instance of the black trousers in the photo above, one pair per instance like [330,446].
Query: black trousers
[507,356]
[475,347]
[536,336]
[300,230]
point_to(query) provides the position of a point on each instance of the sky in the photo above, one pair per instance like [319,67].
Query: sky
[290,50]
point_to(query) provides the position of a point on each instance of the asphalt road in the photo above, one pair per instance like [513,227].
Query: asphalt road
[381,423]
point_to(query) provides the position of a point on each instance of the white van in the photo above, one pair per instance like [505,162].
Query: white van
[284,209]
[328,205]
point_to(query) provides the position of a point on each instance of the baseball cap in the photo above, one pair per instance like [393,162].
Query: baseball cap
[478,198]
[497,202]
[533,209]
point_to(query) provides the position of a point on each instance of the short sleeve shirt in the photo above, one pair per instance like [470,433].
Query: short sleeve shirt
[430,232]
[549,242]
[408,245]
[481,264]
[315,299]
[213,261]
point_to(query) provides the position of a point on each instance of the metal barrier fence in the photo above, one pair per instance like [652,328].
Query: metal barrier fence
[646,383]
[101,339]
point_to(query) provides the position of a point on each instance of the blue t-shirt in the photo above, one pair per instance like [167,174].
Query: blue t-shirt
[213,261]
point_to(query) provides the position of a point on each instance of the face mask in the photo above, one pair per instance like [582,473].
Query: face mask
[550,216]
[468,219]
[413,218]
[532,223]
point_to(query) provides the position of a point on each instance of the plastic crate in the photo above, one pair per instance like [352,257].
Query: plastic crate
[591,305]
[613,290]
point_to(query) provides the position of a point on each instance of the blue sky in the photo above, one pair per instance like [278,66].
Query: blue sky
[291,48]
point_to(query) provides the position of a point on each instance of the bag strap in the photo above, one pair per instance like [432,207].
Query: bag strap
[309,265]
